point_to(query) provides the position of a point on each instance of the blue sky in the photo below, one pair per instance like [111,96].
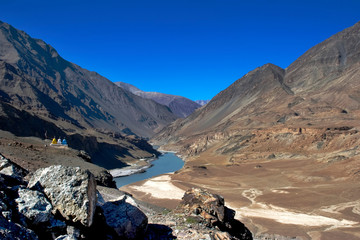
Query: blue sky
[192,48]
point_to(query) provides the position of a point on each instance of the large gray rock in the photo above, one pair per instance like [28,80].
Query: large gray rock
[14,231]
[34,206]
[71,190]
[124,217]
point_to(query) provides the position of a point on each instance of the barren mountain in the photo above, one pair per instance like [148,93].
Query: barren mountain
[321,88]
[180,106]
[43,95]
[35,78]
[283,144]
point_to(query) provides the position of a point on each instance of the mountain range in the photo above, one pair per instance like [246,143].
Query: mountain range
[180,106]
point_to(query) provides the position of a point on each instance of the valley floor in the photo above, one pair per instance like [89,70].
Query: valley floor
[292,196]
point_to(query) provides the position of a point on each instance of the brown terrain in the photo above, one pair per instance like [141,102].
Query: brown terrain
[281,146]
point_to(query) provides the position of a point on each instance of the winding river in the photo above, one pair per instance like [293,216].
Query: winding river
[168,162]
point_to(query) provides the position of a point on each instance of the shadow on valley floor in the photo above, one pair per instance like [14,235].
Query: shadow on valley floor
[159,231]
[107,156]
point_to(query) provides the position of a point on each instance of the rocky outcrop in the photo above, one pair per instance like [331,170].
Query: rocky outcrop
[72,191]
[210,209]
[201,215]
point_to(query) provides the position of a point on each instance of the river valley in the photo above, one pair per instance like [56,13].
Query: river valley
[166,163]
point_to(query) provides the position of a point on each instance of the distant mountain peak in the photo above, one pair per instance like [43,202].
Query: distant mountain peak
[180,106]
[202,102]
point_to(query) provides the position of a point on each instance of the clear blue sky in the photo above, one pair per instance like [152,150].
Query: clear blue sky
[193,48]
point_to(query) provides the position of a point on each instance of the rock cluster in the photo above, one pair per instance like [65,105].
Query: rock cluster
[202,206]
[61,202]
[200,215]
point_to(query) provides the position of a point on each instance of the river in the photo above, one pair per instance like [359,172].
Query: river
[168,162]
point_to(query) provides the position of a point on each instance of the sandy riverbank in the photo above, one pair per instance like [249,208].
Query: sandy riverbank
[127,171]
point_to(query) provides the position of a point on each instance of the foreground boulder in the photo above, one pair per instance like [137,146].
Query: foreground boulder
[122,214]
[210,209]
[61,202]
[71,191]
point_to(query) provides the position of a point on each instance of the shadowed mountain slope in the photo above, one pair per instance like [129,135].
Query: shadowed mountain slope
[35,78]
[180,106]
[43,95]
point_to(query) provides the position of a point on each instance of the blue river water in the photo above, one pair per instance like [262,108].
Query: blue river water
[168,162]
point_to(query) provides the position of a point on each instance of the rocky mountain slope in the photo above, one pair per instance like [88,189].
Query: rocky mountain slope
[282,144]
[35,78]
[180,106]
